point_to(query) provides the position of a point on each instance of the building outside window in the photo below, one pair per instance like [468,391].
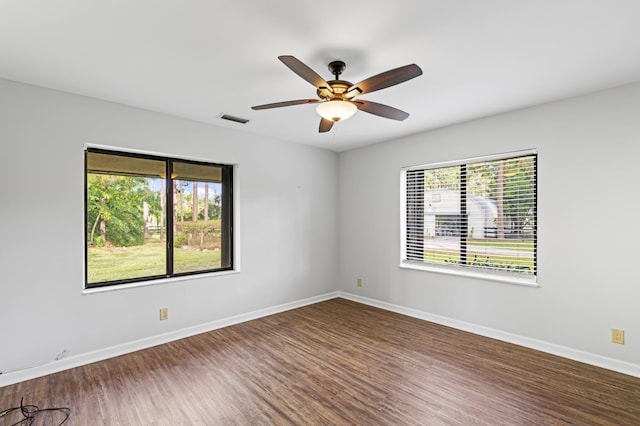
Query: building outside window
[472,217]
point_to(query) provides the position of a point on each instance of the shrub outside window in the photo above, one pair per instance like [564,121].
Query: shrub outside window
[149,217]
[473,217]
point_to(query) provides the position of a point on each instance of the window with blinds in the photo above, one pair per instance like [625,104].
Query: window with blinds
[474,217]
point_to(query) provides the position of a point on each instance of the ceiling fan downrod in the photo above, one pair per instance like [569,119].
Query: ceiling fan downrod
[336,68]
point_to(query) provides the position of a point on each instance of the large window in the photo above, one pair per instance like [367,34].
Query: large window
[475,217]
[150,217]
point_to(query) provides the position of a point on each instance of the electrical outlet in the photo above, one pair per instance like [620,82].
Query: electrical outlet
[617,336]
[164,314]
[359,282]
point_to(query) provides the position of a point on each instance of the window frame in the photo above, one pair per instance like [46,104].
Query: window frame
[467,270]
[229,214]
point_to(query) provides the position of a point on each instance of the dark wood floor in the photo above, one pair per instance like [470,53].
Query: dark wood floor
[335,362]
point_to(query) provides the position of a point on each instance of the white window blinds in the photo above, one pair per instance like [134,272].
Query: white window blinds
[475,216]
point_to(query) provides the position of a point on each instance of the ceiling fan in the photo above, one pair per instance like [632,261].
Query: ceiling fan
[337,97]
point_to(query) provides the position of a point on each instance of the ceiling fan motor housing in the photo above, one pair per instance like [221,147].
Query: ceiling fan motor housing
[336,90]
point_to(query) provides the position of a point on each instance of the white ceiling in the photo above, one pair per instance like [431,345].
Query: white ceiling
[198,59]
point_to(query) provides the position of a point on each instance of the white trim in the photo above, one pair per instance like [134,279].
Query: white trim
[491,157]
[551,348]
[403,214]
[471,273]
[107,288]
[235,233]
[11,377]
[157,154]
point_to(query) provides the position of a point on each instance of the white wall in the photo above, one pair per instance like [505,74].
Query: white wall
[589,150]
[305,212]
[288,220]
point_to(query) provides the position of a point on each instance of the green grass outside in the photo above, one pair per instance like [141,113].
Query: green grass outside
[480,258]
[110,264]
[192,260]
[520,245]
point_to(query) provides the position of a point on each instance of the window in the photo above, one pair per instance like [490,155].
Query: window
[476,217]
[150,217]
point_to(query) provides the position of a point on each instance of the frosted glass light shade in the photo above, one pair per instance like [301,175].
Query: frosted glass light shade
[336,110]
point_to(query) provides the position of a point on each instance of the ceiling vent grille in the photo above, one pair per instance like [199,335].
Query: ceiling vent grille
[233,118]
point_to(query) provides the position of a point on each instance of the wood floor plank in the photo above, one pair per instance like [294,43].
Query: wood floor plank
[336,362]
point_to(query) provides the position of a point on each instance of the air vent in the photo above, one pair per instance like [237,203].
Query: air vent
[233,118]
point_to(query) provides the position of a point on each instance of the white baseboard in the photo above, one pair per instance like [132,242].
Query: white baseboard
[563,351]
[66,363]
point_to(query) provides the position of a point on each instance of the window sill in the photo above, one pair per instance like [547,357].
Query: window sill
[527,282]
[155,282]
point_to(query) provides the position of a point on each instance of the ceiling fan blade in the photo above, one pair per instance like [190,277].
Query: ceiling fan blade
[304,71]
[385,79]
[325,125]
[381,110]
[286,103]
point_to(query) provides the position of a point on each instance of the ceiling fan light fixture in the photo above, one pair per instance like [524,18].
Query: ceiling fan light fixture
[335,101]
[336,110]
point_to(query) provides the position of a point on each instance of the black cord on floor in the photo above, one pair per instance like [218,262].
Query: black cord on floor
[31,412]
